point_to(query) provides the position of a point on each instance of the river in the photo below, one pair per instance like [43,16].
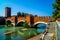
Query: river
[16,36]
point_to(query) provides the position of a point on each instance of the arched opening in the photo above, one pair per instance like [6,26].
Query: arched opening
[20,23]
[8,22]
[40,27]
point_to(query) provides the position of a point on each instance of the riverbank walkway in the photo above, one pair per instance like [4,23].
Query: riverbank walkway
[37,37]
[51,35]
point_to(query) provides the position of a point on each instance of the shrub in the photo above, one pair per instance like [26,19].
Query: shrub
[25,25]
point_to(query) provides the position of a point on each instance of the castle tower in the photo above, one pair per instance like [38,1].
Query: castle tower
[7,12]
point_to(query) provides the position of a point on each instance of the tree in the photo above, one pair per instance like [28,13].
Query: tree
[23,14]
[56,13]
[19,14]
[26,14]
[35,15]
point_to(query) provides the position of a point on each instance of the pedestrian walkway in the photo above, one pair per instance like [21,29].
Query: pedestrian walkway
[49,36]
[35,37]
[52,29]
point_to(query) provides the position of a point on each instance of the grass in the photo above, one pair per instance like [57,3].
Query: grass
[29,33]
[26,33]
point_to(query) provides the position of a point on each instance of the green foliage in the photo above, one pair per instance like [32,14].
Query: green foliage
[22,14]
[9,24]
[25,25]
[58,1]
[35,15]
[19,14]
[56,13]
[55,5]
[29,33]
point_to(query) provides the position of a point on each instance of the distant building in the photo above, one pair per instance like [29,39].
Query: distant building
[7,12]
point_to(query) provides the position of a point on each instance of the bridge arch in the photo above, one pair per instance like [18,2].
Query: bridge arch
[8,21]
[40,22]
[37,23]
[20,23]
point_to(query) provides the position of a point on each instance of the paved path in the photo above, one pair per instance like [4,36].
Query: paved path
[51,30]
[49,36]
[35,38]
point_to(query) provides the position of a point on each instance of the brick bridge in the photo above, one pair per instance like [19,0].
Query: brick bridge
[29,19]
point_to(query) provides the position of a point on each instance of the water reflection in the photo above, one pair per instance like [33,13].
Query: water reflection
[10,36]
[2,37]
[41,27]
[17,38]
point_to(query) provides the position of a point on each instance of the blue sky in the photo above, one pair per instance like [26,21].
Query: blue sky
[35,7]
